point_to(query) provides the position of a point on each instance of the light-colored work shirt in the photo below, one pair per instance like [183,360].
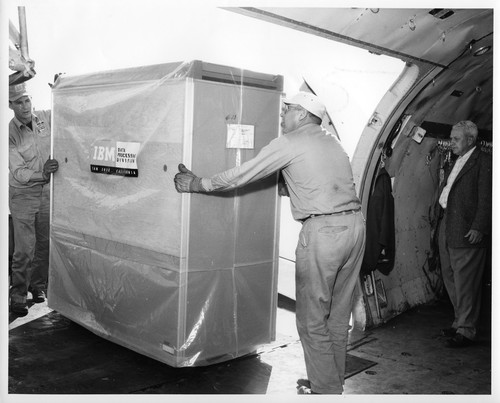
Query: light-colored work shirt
[315,167]
[459,164]
[29,149]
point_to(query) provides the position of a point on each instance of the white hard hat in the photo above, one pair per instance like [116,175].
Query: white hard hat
[309,102]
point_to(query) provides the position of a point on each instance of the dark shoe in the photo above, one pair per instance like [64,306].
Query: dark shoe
[38,296]
[458,341]
[449,332]
[303,382]
[304,387]
[19,308]
[302,390]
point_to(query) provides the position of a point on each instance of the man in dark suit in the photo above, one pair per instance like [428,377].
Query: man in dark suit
[464,233]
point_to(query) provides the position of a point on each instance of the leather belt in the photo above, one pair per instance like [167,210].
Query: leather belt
[344,212]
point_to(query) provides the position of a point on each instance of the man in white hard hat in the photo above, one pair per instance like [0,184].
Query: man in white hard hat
[331,244]
[30,167]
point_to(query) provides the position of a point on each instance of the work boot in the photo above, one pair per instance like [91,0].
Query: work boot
[459,341]
[303,382]
[303,390]
[304,387]
[449,332]
[19,308]
[38,296]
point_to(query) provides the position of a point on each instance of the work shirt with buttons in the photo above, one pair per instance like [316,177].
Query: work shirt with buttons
[315,167]
[29,149]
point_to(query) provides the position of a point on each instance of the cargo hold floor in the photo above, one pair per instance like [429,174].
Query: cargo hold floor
[48,354]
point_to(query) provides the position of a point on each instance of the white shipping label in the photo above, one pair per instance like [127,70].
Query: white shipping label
[126,154]
[240,136]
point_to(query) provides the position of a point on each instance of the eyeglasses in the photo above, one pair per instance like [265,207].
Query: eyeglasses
[288,107]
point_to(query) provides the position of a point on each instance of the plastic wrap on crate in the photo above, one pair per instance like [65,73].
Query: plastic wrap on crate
[185,279]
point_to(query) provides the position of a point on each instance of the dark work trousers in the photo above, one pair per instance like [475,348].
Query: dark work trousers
[29,209]
[462,270]
[329,255]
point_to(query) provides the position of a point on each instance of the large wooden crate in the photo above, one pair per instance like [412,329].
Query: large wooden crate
[187,279]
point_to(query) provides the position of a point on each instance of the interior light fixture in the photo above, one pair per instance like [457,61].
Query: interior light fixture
[481,51]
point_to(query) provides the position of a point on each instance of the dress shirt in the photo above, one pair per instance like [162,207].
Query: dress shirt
[459,164]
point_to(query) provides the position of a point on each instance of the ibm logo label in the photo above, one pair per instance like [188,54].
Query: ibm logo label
[114,158]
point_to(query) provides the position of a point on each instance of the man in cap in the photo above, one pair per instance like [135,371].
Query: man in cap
[30,167]
[331,243]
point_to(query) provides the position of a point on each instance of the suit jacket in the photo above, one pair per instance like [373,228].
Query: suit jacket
[469,201]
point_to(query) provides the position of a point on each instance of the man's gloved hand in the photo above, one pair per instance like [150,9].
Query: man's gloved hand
[187,182]
[50,166]
[56,76]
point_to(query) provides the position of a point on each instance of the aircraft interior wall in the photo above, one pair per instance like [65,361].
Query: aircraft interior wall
[413,279]
[414,158]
